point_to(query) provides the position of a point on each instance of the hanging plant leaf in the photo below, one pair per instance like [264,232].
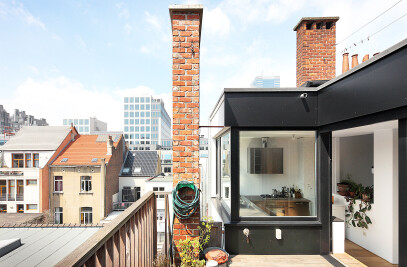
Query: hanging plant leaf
[368,219]
[353,223]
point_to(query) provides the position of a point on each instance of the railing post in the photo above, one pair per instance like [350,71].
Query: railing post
[122,250]
[129,240]
[154,200]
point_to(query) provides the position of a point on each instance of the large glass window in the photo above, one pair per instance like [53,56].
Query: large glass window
[277,173]
[225,168]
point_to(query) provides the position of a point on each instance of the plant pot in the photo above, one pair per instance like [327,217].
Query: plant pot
[366,197]
[298,195]
[343,189]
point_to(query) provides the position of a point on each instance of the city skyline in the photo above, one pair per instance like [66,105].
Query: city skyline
[70,59]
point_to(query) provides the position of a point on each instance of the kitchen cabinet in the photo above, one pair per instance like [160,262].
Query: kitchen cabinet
[282,206]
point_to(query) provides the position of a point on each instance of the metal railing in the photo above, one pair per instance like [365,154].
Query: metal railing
[129,240]
[11,197]
[20,197]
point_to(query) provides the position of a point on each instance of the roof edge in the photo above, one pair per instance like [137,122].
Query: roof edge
[388,51]
[195,8]
[314,19]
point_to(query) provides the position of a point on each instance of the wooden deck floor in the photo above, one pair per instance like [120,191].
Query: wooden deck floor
[277,260]
[355,256]
[365,256]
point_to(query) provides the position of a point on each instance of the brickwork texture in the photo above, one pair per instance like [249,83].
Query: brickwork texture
[316,50]
[185,91]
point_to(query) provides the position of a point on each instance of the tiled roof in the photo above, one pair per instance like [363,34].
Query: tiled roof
[141,164]
[85,150]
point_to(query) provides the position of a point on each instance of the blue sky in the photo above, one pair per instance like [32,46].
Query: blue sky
[79,58]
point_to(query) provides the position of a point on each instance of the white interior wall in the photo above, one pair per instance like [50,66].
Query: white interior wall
[382,236]
[298,168]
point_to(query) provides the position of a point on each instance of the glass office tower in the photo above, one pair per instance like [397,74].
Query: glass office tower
[146,121]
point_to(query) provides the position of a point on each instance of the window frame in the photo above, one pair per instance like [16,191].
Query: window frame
[60,214]
[86,183]
[28,160]
[28,207]
[59,181]
[30,180]
[36,161]
[85,214]
[22,161]
[235,184]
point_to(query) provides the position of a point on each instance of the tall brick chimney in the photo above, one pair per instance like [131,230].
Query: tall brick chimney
[186,23]
[316,38]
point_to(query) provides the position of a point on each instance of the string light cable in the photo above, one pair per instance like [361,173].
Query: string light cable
[370,21]
[368,37]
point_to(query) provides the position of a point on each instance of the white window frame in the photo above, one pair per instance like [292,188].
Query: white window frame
[86,216]
[86,184]
[58,213]
[62,184]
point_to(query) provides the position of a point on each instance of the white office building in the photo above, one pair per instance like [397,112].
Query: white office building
[86,125]
[266,82]
[146,122]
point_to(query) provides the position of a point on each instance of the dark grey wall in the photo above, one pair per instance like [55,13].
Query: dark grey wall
[304,240]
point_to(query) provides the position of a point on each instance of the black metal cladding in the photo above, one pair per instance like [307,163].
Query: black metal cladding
[377,87]
[268,109]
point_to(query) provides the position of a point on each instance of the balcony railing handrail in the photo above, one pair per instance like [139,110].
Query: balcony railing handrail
[89,248]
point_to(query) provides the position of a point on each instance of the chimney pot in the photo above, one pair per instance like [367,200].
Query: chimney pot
[355,61]
[345,62]
[366,57]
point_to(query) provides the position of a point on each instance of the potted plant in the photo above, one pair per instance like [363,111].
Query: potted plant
[344,186]
[367,193]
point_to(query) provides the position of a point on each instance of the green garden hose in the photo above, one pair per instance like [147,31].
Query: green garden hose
[182,209]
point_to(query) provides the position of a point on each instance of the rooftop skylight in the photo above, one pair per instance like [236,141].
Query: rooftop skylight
[64,160]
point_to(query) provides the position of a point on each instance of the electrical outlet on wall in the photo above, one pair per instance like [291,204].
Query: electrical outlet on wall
[278,234]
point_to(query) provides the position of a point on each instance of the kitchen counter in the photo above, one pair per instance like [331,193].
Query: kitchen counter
[275,206]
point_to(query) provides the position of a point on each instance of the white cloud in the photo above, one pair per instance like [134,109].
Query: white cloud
[61,97]
[216,22]
[127,28]
[18,10]
[81,42]
[144,49]
[279,11]
[153,20]
[123,10]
